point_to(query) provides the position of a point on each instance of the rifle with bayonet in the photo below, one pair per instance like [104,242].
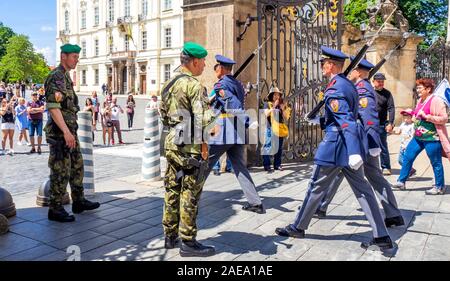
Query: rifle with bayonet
[386,58]
[352,65]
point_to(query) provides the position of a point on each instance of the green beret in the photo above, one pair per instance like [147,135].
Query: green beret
[194,50]
[69,48]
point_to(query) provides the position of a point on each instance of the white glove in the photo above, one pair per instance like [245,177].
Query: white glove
[374,152]
[355,161]
[253,125]
[314,121]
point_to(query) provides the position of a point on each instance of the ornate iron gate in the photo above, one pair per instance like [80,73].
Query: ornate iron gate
[294,31]
[434,62]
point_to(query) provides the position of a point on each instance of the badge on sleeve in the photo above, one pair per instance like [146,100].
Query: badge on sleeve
[58,97]
[363,102]
[334,105]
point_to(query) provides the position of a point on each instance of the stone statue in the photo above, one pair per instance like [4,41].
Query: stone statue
[385,9]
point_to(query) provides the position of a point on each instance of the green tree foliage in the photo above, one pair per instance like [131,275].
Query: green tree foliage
[21,62]
[355,12]
[5,34]
[426,17]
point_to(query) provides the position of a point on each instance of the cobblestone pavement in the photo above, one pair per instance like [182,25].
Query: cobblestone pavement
[128,224]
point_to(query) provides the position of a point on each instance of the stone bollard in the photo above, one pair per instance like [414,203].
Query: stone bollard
[43,197]
[7,206]
[4,224]
[85,137]
[151,169]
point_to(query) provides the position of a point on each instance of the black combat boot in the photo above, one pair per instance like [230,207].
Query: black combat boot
[84,205]
[195,249]
[259,209]
[290,231]
[384,243]
[395,221]
[59,214]
[171,242]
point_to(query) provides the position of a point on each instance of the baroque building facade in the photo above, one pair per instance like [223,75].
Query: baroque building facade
[131,46]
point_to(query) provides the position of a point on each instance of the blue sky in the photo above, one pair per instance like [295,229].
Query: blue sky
[34,18]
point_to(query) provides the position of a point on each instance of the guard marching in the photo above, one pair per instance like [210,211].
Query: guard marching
[369,117]
[342,150]
[229,135]
[184,109]
[65,160]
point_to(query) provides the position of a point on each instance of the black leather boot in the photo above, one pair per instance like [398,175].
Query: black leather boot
[384,243]
[84,205]
[395,221]
[59,214]
[259,209]
[290,231]
[195,249]
[170,242]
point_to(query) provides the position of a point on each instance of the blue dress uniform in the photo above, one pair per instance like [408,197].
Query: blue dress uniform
[230,134]
[343,142]
[368,115]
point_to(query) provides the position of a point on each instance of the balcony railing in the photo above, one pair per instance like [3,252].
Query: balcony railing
[142,17]
[64,32]
[123,55]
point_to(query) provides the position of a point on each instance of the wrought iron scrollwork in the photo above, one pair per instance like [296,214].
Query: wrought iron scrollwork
[290,60]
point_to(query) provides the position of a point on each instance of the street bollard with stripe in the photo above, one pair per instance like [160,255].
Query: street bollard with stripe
[85,137]
[151,170]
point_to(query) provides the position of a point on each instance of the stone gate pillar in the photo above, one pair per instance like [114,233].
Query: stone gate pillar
[400,69]
[213,24]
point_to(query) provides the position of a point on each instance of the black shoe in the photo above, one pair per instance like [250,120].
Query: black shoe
[170,242]
[289,231]
[84,205]
[320,214]
[253,208]
[195,249]
[216,172]
[59,214]
[395,221]
[384,243]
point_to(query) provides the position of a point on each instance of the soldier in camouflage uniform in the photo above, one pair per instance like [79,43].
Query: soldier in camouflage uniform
[65,160]
[185,107]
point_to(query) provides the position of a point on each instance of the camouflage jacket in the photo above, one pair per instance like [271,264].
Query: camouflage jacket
[59,93]
[186,102]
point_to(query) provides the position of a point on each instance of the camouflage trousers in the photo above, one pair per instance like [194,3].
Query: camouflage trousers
[68,169]
[181,199]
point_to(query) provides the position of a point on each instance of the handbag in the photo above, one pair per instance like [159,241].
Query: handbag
[444,155]
[279,129]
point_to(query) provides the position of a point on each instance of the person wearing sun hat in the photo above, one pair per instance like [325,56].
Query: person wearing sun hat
[65,158]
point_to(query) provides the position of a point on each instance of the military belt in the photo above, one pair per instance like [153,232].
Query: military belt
[226,115]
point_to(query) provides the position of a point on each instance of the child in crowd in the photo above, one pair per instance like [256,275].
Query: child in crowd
[406,130]
[22,121]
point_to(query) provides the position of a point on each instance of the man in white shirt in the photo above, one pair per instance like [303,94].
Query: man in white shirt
[116,110]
